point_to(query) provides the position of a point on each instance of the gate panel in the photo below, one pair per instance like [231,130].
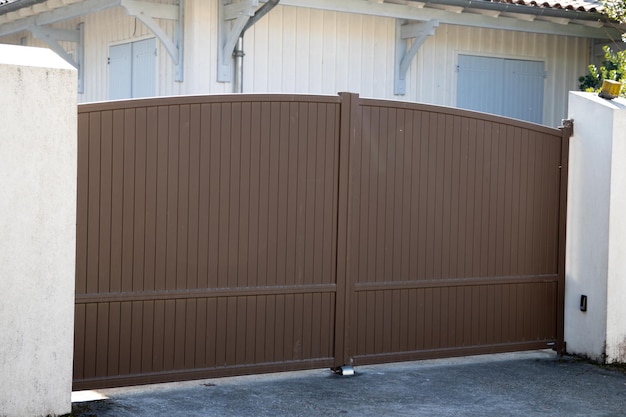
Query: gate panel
[453,234]
[206,237]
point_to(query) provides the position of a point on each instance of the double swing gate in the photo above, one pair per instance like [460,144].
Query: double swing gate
[225,235]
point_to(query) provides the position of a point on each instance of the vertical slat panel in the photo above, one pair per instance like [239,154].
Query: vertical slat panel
[212,341]
[280,316]
[273,329]
[263,202]
[139,216]
[151,175]
[453,198]
[79,341]
[320,165]
[169,335]
[125,338]
[104,244]
[396,321]
[128,211]
[200,333]
[244,272]
[252,324]
[147,336]
[327,339]
[230,324]
[161,198]
[467,197]
[372,203]
[113,349]
[203,198]
[102,326]
[180,335]
[82,205]
[184,207]
[317,326]
[285,163]
[417,141]
[173,155]
[214,279]
[306,314]
[310,178]
[117,201]
[221,318]
[93,220]
[91,331]
[137,324]
[241,331]
[273,193]
[233,196]
[193,253]
[159,336]
[261,337]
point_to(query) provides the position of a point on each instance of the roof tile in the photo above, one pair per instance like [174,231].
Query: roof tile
[591,6]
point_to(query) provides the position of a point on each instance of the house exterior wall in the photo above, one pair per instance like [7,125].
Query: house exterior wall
[301,50]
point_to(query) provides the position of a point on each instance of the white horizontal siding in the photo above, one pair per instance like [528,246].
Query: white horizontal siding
[300,50]
[311,51]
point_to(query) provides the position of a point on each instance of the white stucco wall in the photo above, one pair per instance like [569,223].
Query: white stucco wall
[596,235]
[616,282]
[37,231]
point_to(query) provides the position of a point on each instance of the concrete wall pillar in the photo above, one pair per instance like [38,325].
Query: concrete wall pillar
[596,234]
[37,231]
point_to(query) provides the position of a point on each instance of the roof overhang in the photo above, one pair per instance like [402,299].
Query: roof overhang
[19,15]
[479,13]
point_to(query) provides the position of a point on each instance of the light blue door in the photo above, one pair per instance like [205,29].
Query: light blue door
[144,64]
[120,68]
[132,70]
[507,87]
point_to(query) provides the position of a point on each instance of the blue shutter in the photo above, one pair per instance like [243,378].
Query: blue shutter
[144,68]
[507,87]
[120,71]
[479,84]
[524,90]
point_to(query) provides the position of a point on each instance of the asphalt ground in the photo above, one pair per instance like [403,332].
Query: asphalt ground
[537,383]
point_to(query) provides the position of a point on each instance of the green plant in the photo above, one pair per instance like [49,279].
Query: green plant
[613,68]
[615,9]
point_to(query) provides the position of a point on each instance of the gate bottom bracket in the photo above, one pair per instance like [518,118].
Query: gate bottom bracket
[345,370]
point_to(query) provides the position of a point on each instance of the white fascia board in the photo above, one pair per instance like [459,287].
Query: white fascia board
[154,10]
[57,15]
[400,11]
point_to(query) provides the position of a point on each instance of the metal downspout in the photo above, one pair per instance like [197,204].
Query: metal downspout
[238,53]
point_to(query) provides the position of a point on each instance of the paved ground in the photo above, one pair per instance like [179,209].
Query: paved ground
[521,384]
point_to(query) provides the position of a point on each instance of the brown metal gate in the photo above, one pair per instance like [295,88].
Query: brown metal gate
[223,235]
[455,233]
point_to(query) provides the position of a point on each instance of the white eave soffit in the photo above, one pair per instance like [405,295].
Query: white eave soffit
[456,12]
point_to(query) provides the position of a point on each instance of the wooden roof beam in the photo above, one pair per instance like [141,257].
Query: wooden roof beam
[418,32]
[146,12]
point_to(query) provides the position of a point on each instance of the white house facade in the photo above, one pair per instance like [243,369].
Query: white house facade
[513,59]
